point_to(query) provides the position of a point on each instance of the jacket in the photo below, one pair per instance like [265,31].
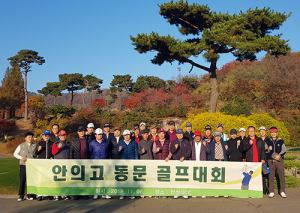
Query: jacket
[129,151]
[147,145]
[110,135]
[204,151]
[278,147]
[54,138]
[90,138]
[236,151]
[45,152]
[98,150]
[184,149]
[63,152]
[211,156]
[171,136]
[75,148]
[261,146]
[113,147]
[188,136]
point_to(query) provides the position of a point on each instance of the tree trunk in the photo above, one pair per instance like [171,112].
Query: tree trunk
[26,95]
[214,94]
[54,100]
[72,98]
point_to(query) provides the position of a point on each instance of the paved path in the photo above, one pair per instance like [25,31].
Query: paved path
[4,156]
[150,205]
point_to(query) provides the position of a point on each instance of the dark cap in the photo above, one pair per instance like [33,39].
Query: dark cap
[80,128]
[233,132]
[171,123]
[220,125]
[117,128]
[144,131]
[106,125]
[136,127]
[208,127]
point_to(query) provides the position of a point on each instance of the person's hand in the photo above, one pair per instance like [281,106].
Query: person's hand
[239,142]
[263,161]
[270,148]
[24,159]
[120,148]
[59,145]
[176,146]
[51,158]
[157,149]
[143,150]
[204,143]
[181,159]
[167,159]
[40,147]
[226,147]
[251,142]
[277,157]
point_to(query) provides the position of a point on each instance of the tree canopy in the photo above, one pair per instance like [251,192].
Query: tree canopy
[120,83]
[52,88]
[145,82]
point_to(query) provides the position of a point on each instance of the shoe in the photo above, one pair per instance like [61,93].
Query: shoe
[142,196]
[29,198]
[132,197]
[150,196]
[122,198]
[271,195]
[226,196]
[39,198]
[95,197]
[186,197]
[164,197]
[283,195]
[175,197]
[107,196]
[216,196]
[103,196]
[194,196]
[66,198]
[56,198]
[156,197]
[20,199]
[203,196]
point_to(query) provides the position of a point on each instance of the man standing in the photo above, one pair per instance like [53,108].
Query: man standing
[219,149]
[224,137]
[207,137]
[79,148]
[90,135]
[114,143]
[127,149]
[242,132]
[235,147]
[136,134]
[153,133]
[161,147]
[145,146]
[23,152]
[54,137]
[199,149]
[263,133]
[188,135]
[171,133]
[181,150]
[275,160]
[107,134]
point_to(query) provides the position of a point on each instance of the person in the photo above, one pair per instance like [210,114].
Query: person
[153,133]
[235,147]
[113,144]
[145,147]
[188,135]
[242,132]
[98,150]
[161,147]
[171,133]
[207,134]
[200,149]
[107,134]
[263,133]
[127,149]
[54,137]
[142,126]
[136,134]
[43,150]
[276,161]
[224,137]
[90,135]
[219,149]
[23,152]
[61,150]
[246,179]
[181,150]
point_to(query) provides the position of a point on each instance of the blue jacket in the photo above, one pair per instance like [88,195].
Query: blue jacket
[211,156]
[97,150]
[129,151]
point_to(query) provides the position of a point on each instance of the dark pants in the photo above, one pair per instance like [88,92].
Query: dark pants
[279,166]
[264,181]
[22,181]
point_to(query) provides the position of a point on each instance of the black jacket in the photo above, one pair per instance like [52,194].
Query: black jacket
[260,144]
[113,147]
[236,151]
[45,149]
[110,135]
[75,148]
[188,136]
[54,138]
[90,138]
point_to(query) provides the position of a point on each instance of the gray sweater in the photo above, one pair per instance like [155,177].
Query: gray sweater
[147,145]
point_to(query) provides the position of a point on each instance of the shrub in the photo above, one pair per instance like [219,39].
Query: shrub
[291,163]
[237,108]
[14,143]
[65,111]
[98,104]
[7,126]
[289,157]
[42,125]
[290,182]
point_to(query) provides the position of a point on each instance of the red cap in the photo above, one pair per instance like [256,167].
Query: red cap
[161,130]
[197,133]
[62,132]
[273,130]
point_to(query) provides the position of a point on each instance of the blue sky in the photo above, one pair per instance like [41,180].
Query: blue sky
[93,37]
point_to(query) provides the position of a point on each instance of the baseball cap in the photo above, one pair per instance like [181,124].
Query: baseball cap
[217,133]
[233,132]
[62,132]
[80,128]
[98,131]
[161,130]
[90,125]
[179,131]
[142,124]
[136,127]
[126,132]
[208,127]
[220,125]
[171,123]
[188,124]
[153,126]
[197,133]
[46,132]
[117,128]
[273,129]
[144,131]
[106,125]
[262,128]
[242,129]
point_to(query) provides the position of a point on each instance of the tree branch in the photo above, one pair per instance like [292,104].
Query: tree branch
[196,65]
[186,22]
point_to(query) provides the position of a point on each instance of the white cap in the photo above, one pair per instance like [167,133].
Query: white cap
[98,131]
[126,132]
[242,129]
[142,124]
[262,127]
[90,125]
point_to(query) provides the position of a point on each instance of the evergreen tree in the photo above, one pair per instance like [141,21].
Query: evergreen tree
[52,88]
[120,83]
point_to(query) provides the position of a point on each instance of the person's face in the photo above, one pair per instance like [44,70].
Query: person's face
[145,136]
[127,137]
[142,127]
[46,137]
[137,132]
[55,129]
[161,135]
[90,130]
[106,129]
[81,134]
[197,138]
[171,127]
[179,136]
[208,132]
[29,138]
[262,133]
[220,129]
[99,137]
[274,134]
[117,133]
[188,129]
[242,134]
[251,132]
[62,137]
[233,136]
[218,139]
[153,131]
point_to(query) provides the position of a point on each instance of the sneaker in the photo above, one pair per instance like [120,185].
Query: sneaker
[29,198]
[203,196]
[95,197]
[122,198]
[226,196]
[283,195]
[164,197]
[66,198]
[132,197]
[271,195]
[103,196]
[216,196]
[186,197]
[39,198]
[142,196]
[194,196]
[107,196]
[56,198]
[175,197]
[150,196]
[20,199]
[156,197]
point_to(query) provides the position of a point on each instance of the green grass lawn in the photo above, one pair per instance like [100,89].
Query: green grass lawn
[9,176]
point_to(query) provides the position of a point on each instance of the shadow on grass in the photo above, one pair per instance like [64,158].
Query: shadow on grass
[294,149]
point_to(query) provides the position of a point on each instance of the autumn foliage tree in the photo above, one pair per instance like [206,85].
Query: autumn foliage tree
[98,104]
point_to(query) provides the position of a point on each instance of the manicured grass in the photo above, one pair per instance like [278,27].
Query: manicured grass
[290,150]
[9,176]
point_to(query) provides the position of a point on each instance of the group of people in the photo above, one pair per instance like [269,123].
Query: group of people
[158,144]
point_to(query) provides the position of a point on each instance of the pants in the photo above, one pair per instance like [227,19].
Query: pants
[279,166]
[22,181]
[264,181]
[245,187]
